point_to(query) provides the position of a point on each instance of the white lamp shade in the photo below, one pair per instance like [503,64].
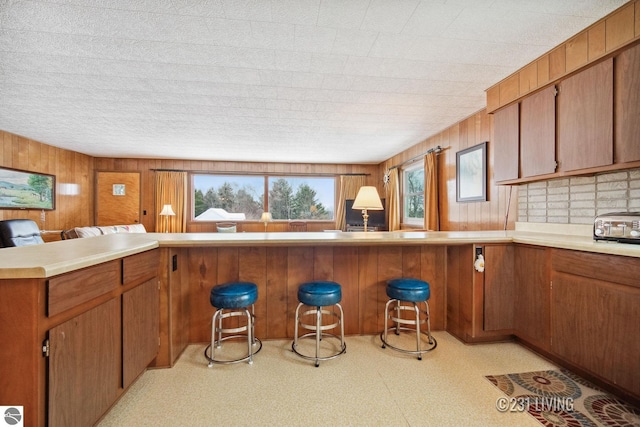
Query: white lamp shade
[266,217]
[167,210]
[368,198]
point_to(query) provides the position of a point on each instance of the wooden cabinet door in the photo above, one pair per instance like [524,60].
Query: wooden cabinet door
[585,118]
[627,105]
[595,327]
[538,133]
[140,331]
[84,366]
[532,295]
[498,287]
[459,290]
[594,308]
[506,143]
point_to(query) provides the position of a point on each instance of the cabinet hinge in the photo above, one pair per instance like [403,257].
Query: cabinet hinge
[556,90]
[551,285]
[158,284]
[45,348]
[158,341]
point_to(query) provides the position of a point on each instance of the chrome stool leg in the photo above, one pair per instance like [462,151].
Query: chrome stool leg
[396,310]
[217,331]
[318,331]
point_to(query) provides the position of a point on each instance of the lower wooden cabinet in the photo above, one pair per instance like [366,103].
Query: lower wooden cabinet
[140,332]
[578,308]
[532,294]
[480,304]
[84,360]
[72,354]
[595,315]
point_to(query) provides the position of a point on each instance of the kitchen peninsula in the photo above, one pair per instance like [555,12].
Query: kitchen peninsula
[83,302]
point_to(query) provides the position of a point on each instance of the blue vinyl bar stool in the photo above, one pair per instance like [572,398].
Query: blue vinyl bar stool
[414,292]
[319,294]
[233,299]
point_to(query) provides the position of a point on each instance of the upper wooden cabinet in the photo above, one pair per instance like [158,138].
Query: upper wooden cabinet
[506,143]
[585,118]
[627,106]
[538,133]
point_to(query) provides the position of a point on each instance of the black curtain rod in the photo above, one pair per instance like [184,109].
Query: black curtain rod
[258,173]
[437,150]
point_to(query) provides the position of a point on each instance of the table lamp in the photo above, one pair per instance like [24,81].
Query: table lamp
[166,212]
[367,199]
[266,218]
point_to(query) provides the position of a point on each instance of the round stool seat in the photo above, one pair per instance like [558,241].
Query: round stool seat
[408,289]
[234,295]
[320,293]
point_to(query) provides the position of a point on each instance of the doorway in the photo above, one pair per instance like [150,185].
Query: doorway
[118,198]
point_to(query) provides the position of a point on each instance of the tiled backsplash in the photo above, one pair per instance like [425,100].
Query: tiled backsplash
[577,200]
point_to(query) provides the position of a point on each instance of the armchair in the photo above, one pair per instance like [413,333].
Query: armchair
[19,232]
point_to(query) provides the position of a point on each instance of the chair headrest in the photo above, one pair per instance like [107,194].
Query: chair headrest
[19,232]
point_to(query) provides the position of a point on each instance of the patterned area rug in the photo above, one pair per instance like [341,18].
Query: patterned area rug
[560,398]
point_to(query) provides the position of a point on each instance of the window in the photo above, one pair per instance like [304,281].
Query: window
[242,197]
[302,198]
[413,194]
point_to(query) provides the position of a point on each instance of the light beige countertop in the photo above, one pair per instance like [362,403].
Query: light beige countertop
[332,238]
[54,258]
[51,259]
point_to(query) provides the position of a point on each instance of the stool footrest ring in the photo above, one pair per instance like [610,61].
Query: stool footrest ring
[432,344]
[343,347]
[207,351]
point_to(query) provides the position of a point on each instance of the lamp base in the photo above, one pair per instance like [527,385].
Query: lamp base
[365,219]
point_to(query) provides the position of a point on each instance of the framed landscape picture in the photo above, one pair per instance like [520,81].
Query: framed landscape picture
[26,190]
[471,174]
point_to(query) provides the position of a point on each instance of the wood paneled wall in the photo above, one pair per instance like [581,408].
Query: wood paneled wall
[278,271]
[73,171]
[146,168]
[454,216]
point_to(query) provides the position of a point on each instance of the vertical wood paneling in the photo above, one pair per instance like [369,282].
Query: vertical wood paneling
[620,27]
[596,39]
[557,62]
[433,271]
[543,70]
[70,168]
[509,89]
[389,267]
[253,268]
[411,262]
[577,51]
[277,298]
[345,272]
[323,263]
[370,286]
[465,216]
[203,273]
[528,79]
[300,270]
[228,268]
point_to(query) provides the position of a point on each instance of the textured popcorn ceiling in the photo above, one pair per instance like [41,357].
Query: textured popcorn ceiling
[346,81]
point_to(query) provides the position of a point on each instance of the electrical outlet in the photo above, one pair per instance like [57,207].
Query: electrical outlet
[478,250]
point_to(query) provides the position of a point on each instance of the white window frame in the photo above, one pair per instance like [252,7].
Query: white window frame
[418,165]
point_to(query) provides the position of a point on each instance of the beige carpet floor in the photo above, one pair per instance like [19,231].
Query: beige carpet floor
[367,386]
